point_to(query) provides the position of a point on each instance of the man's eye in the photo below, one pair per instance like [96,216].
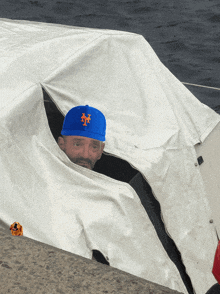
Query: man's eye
[76,144]
[95,147]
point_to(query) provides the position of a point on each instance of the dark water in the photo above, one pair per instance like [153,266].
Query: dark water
[184,34]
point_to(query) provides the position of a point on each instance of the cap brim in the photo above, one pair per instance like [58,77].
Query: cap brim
[83,134]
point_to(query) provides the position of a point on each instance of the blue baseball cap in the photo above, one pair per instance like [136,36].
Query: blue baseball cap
[85,121]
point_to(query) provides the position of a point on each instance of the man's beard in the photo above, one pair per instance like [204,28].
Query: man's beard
[85,162]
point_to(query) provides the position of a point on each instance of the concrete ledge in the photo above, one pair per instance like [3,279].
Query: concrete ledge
[28,266]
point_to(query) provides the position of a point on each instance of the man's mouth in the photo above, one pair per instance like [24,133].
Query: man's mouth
[82,163]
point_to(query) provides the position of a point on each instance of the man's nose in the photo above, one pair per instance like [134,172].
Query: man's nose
[85,152]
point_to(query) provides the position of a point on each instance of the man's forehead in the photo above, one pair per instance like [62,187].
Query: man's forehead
[80,138]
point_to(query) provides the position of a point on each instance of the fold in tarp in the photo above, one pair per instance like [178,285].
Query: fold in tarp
[153,122]
[70,207]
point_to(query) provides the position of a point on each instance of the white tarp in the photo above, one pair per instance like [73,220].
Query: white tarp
[153,122]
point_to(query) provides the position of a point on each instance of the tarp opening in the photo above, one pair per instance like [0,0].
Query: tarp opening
[108,165]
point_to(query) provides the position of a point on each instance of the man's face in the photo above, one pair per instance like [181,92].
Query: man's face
[81,150]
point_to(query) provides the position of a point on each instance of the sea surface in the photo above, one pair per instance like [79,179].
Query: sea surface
[184,34]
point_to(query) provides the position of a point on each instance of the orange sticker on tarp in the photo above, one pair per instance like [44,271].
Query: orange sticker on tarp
[16,229]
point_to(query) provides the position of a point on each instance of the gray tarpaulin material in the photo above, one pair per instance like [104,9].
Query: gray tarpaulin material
[153,122]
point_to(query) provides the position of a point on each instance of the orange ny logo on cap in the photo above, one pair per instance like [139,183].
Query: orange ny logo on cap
[85,119]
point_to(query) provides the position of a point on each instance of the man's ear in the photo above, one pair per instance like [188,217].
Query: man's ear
[61,143]
[102,147]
